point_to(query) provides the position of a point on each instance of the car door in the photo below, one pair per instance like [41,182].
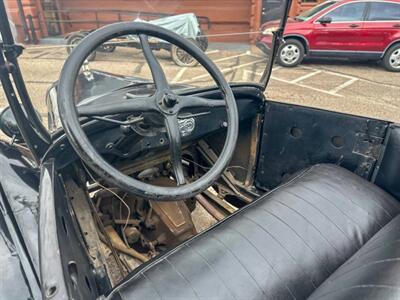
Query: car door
[296,137]
[382,26]
[343,32]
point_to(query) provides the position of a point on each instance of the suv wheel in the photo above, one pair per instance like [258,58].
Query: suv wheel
[290,53]
[391,60]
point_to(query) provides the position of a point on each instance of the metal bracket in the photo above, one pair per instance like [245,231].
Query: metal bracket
[15,49]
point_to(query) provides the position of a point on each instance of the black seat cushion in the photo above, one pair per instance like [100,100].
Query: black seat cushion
[372,273]
[282,246]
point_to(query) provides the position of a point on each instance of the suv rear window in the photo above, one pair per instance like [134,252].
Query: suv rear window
[313,11]
[348,12]
[384,11]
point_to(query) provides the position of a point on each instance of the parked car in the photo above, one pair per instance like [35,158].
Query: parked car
[365,30]
[186,25]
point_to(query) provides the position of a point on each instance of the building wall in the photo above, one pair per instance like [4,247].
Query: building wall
[298,6]
[31,8]
[226,16]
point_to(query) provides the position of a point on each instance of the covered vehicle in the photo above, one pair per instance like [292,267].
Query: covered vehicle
[154,181]
[185,25]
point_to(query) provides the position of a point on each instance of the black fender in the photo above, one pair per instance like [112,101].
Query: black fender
[19,254]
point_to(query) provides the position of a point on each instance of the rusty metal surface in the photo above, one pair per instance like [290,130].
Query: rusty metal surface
[210,156]
[175,216]
[118,244]
[254,146]
[218,215]
[225,205]
[80,205]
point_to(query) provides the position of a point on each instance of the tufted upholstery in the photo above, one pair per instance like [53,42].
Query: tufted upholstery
[283,246]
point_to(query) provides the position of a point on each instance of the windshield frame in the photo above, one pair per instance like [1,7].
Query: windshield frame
[37,137]
[276,41]
[34,133]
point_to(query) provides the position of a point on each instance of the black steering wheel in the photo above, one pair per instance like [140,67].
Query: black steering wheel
[164,101]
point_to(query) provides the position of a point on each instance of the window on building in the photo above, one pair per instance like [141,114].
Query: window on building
[381,11]
[348,13]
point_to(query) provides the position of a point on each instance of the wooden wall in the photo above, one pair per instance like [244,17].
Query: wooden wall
[299,6]
[225,15]
[30,7]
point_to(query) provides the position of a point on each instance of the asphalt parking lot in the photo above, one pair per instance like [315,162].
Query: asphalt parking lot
[360,88]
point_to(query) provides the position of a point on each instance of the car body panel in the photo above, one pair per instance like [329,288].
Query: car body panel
[377,36]
[335,36]
[18,224]
[13,282]
[297,137]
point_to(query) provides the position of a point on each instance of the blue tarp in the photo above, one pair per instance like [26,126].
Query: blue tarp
[185,25]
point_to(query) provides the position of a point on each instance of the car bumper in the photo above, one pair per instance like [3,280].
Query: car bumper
[264,43]
[264,48]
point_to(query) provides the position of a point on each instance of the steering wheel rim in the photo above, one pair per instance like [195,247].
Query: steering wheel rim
[83,147]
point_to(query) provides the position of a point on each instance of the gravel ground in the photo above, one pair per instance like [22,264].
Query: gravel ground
[352,87]
[365,89]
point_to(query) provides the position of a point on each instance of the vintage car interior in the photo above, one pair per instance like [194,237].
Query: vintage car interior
[303,203]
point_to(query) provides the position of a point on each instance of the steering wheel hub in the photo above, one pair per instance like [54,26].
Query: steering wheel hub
[168,103]
[170,100]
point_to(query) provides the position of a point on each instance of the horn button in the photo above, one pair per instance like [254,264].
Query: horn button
[168,103]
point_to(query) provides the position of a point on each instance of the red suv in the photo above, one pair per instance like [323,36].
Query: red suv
[358,29]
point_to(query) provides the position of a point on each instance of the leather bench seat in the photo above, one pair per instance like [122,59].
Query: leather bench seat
[325,234]
[372,273]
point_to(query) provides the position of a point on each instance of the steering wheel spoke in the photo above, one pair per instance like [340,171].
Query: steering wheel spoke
[175,144]
[196,101]
[124,100]
[156,70]
[105,105]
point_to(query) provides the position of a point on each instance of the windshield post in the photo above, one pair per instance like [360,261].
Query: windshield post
[33,131]
[277,38]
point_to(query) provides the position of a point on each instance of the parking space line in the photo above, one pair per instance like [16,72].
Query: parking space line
[182,71]
[179,75]
[44,53]
[230,57]
[329,72]
[41,54]
[247,72]
[255,55]
[344,85]
[212,52]
[307,87]
[306,76]
[224,70]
